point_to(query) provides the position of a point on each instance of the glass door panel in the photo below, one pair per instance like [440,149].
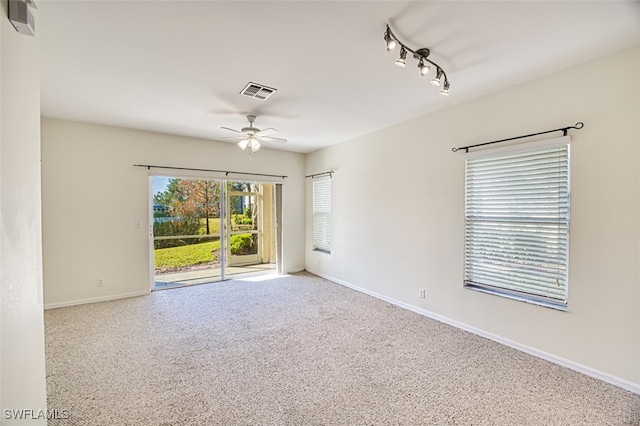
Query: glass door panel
[186,231]
[243,230]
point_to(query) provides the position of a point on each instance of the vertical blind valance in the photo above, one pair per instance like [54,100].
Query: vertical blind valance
[517,223]
[322,213]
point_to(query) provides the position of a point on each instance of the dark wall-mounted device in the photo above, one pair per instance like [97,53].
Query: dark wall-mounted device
[21,17]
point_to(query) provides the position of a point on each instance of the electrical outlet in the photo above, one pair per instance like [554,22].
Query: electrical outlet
[100,282]
[421,293]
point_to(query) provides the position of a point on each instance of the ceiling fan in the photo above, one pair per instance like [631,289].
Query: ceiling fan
[253,137]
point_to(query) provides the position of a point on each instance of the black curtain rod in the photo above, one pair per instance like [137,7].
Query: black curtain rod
[330,173]
[579,125]
[226,172]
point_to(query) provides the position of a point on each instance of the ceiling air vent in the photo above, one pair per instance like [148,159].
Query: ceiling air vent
[258,91]
[21,17]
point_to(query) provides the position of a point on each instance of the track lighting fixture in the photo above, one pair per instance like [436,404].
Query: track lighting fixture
[421,55]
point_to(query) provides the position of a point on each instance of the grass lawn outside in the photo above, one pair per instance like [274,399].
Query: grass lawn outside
[172,258]
[214,226]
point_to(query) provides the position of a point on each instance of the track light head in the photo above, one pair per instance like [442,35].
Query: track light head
[437,80]
[424,69]
[445,89]
[391,43]
[403,56]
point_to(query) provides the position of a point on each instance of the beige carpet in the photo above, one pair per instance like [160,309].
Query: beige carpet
[300,350]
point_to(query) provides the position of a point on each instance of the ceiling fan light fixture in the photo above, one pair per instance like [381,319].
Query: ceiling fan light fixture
[252,137]
[243,144]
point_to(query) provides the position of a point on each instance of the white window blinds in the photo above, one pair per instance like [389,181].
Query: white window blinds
[322,213]
[517,224]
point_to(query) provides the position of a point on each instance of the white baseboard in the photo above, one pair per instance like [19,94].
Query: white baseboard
[96,299]
[119,296]
[605,377]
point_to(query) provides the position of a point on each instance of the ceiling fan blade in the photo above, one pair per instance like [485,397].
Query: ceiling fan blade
[272,139]
[233,130]
[266,131]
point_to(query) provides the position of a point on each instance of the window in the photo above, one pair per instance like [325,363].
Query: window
[517,223]
[322,214]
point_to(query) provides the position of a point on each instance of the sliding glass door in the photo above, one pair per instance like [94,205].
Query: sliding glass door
[209,230]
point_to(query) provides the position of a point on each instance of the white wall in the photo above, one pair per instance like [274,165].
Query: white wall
[398,200]
[22,366]
[93,197]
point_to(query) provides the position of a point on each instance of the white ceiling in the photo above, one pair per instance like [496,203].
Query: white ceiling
[178,67]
